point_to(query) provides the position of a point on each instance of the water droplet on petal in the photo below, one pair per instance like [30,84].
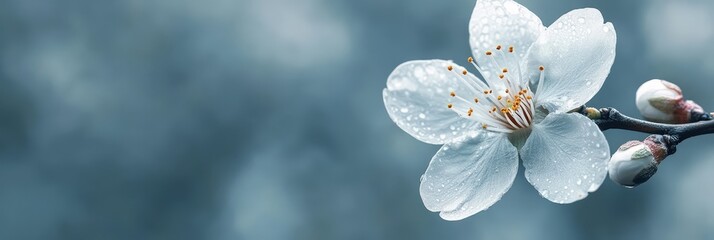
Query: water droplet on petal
[422,116]
[500,12]
[404,110]
[581,20]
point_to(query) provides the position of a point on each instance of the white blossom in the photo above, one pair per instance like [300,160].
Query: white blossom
[511,104]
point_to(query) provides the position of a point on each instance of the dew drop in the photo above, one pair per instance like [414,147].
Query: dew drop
[422,116]
[511,7]
[442,136]
[500,12]
[581,20]
[579,182]
[605,29]
[404,110]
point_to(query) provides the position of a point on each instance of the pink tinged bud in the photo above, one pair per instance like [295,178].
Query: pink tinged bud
[632,164]
[662,101]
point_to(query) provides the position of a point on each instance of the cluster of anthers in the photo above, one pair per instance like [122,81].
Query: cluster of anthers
[502,102]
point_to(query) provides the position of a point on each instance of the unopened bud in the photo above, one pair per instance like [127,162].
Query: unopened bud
[662,101]
[635,162]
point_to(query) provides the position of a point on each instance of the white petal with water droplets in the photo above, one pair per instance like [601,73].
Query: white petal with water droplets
[577,52]
[565,157]
[417,96]
[469,175]
[503,22]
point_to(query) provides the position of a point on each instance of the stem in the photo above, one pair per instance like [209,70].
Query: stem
[610,118]
[661,144]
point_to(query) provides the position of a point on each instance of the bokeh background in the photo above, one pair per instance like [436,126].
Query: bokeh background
[263,119]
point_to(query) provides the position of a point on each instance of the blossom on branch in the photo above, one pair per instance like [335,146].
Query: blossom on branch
[512,104]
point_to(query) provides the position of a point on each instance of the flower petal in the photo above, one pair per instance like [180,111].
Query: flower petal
[565,157]
[417,96]
[577,52]
[469,175]
[501,22]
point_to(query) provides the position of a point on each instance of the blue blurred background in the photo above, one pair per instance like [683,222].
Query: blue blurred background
[263,119]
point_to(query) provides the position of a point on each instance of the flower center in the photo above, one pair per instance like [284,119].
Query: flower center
[502,101]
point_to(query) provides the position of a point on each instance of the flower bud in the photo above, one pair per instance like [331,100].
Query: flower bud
[662,101]
[635,162]
[632,164]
